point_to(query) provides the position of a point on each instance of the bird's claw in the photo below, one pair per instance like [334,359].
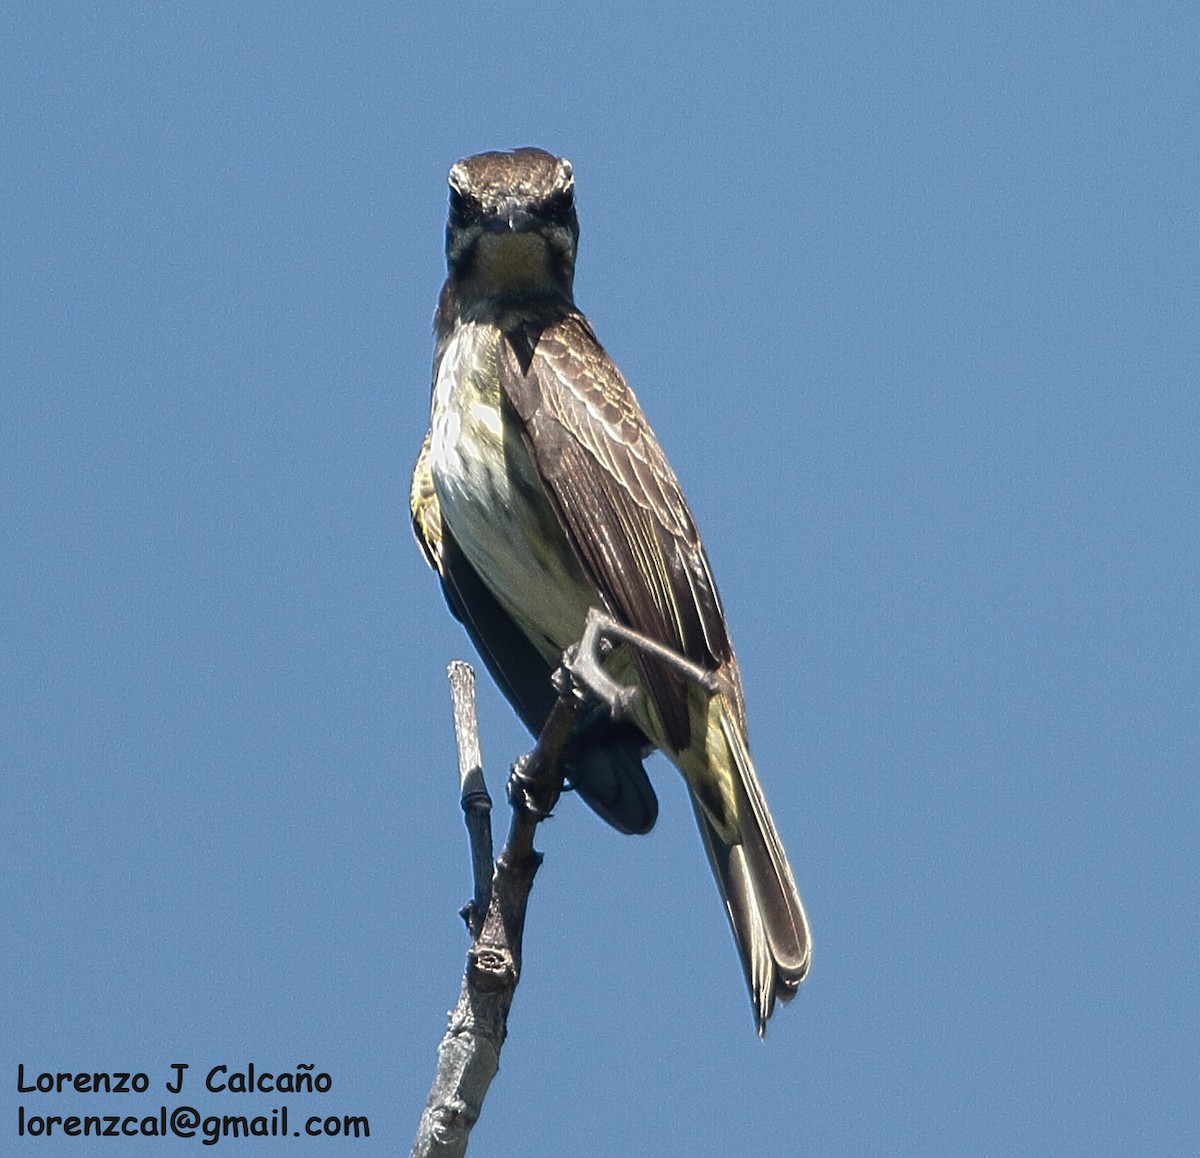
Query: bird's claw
[581,671]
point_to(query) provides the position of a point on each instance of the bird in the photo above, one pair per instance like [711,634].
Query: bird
[541,494]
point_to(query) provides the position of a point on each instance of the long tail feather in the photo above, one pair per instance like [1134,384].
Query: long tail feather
[752,871]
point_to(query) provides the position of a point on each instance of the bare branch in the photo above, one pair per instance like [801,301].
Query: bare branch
[469,1054]
[476,803]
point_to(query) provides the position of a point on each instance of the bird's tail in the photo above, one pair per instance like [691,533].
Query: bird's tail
[747,857]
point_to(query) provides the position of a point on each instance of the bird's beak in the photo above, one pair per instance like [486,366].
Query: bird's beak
[511,216]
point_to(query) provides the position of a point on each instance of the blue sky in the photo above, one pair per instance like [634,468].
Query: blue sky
[910,296]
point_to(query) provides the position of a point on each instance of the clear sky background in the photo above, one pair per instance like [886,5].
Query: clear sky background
[910,295]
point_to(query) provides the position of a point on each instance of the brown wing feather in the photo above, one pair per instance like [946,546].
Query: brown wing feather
[618,500]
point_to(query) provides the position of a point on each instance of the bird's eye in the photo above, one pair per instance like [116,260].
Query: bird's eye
[462,206]
[560,205]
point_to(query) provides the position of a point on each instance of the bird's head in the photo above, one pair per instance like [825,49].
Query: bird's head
[512,230]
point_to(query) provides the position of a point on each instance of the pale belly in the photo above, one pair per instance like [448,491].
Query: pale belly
[493,503]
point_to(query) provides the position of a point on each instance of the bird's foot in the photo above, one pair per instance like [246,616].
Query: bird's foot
[583,668]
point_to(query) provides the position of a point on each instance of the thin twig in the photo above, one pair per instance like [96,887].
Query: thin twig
[469,1053]
[476,803]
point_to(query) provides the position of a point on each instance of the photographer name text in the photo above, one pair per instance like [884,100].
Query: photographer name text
[181,1121]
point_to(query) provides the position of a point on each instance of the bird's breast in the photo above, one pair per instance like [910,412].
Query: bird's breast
[493,500]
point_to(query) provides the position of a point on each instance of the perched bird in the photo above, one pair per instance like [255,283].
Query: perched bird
[541,492]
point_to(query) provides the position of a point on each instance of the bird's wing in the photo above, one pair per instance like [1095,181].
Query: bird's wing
[618,501]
